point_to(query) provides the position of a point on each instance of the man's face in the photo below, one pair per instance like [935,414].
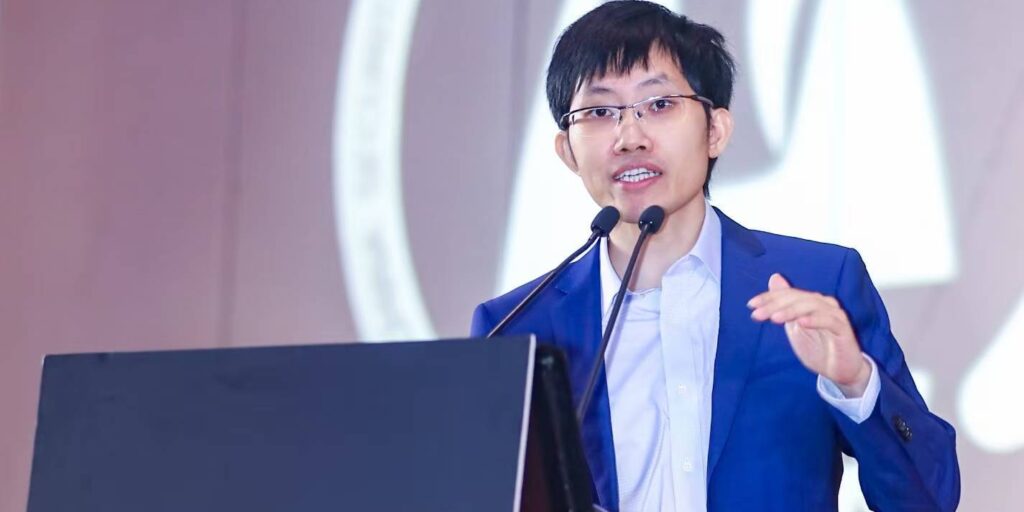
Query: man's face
[638,163]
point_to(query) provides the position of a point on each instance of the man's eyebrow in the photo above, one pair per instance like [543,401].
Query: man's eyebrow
[658,79]
[598,89]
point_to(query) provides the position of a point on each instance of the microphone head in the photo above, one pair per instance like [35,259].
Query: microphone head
[651,219]
[605,220]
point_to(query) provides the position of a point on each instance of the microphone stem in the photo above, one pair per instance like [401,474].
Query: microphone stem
[616,304]
[594,235]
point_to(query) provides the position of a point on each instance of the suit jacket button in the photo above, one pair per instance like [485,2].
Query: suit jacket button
[901,426]
[897,421]
[907,435]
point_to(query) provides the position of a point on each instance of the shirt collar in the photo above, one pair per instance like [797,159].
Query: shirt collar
[707,249]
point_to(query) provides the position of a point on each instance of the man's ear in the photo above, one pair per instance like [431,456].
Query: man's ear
[719,132]
[564,151]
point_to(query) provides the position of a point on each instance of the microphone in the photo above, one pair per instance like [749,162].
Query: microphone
[604,221]
[650,222]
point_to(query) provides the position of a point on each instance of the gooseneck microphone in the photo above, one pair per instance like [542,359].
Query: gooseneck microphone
[650,222]
[604,221]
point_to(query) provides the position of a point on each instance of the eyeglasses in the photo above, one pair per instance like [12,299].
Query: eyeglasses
[602,119]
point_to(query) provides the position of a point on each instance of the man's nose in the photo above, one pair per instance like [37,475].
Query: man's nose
[630,134]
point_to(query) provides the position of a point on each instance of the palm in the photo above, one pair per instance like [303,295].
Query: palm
[823,353]
[817,327]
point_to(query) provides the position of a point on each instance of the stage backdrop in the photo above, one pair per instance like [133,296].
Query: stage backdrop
[213,173]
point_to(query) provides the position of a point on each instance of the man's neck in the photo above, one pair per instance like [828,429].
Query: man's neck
[675,239]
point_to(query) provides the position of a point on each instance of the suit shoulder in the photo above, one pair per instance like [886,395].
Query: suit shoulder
[505,302]
[801,248]
[810,264]
[783,248]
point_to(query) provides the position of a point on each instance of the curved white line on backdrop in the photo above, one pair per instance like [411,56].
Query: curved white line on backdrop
[863,154]
[988,404]
[383,289]
[550,210]
[770,64]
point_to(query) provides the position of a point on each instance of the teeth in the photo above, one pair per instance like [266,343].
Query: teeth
[637,175]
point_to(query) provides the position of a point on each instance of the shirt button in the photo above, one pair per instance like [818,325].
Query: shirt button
[681,389]
[688,464]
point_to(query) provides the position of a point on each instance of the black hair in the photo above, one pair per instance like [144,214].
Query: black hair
[619,36]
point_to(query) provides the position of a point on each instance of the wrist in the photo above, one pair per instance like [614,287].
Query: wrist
[856,387]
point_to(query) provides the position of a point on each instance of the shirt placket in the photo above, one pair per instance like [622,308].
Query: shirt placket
[685,377]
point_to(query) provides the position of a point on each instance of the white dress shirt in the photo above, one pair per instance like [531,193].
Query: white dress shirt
[660,373]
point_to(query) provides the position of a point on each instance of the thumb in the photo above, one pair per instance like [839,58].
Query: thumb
[777,282]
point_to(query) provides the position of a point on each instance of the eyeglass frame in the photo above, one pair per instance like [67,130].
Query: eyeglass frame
[563,121]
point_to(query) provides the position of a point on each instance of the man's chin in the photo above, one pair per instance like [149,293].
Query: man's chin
[630,213]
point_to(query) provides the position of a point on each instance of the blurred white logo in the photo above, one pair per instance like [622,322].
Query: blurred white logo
[382,285]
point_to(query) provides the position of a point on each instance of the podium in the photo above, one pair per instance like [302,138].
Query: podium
[447,425]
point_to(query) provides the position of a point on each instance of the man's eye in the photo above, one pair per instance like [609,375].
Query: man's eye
[599,113]
[662,104]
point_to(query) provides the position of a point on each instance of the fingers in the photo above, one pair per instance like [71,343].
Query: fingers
[783,304]
[790,307]
[809,311]
[777,282]
[833,321]
[780,293]
[779,299]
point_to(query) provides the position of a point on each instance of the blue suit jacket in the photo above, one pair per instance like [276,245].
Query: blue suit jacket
[775,444]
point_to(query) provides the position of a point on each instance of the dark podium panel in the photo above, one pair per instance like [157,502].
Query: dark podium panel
[424,426]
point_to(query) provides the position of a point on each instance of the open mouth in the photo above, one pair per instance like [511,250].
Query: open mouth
[636,175]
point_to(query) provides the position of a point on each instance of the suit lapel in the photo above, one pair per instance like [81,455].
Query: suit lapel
[576,322]
[743,276]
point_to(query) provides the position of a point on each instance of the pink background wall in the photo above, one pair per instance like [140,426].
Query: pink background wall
[165,182]
[162,185]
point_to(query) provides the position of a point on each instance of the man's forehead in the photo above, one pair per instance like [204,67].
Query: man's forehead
[611,84]
[658,68]
[640,80]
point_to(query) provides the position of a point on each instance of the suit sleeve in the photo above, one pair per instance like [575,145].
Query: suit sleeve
[482,322]
[906,454]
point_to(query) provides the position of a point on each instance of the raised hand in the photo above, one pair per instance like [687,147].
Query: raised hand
[819,332]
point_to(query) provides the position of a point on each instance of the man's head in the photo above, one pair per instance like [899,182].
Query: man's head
[624,52]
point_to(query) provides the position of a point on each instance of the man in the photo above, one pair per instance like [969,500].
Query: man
[744,362]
